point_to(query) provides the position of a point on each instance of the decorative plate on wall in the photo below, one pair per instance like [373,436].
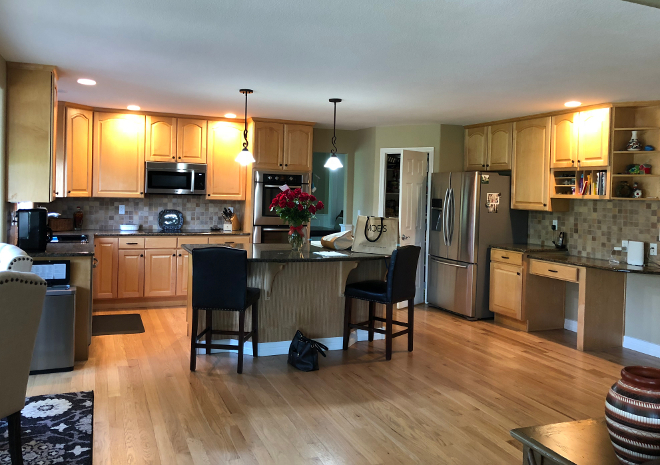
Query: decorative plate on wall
[170,220]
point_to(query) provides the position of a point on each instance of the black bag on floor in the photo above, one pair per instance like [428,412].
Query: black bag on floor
[304,352]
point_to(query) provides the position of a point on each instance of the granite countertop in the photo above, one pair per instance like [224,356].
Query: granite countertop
[282,253]
[152,232]
[596,263]
[56,250]
[528,248]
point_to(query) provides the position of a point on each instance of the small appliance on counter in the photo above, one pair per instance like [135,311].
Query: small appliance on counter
[33,232]
[635,253]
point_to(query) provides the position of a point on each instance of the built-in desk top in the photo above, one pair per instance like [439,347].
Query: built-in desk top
[595,263]
[282,253]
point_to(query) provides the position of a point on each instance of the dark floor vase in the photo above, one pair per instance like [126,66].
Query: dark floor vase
[632,411]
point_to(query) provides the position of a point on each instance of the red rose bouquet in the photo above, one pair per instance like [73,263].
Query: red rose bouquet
[296,208]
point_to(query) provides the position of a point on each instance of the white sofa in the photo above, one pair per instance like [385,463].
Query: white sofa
[14,259]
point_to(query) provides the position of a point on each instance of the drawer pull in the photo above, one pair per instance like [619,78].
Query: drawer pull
[553,271]
[506,258]
[131,243]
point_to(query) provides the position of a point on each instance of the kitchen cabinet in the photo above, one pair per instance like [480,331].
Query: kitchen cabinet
[476,147]
[31,133]
[489,148]
[78,152]
[191,140]
[279,145]
[160,140]
[130,276]
[181,272]
[225,179]
[160,272]
[268,145]
[297,147]
[118,155]
[230,239]
[531,165]
[506,289]
[581,139]
[105,273]
[593,138]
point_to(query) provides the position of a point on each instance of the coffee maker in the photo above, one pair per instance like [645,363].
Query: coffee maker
[33,232]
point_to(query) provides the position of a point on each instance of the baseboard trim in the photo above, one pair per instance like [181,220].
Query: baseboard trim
[267,349]
[639,345]
[571,325]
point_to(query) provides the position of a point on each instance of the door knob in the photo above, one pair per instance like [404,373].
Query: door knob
[404,237]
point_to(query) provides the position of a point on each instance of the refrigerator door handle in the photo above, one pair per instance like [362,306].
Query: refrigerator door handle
[450,217]
[445,212]
[456,265]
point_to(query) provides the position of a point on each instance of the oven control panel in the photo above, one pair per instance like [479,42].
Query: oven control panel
[296,179]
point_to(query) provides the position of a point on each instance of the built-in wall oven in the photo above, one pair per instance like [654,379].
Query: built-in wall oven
[174,178]
[268,227]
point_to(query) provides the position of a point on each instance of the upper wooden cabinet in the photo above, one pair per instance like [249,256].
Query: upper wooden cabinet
[489,148]
[298,147]
[500,147]
[268,145]
[225,179]
[476,147]
[31,132]
[78,152]
[564,140]
[594,135]
[160,141]
[191,140]
[118,155]
[581,139]
[281,145]
[531,167]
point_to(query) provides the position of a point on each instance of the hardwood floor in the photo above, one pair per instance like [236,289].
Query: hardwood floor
[451,401]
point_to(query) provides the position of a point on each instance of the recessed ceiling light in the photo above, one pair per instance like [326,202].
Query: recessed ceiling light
[230,115]
[87,82]
[133,108]
[572,104]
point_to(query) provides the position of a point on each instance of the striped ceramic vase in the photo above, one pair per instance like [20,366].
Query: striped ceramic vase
[632,412]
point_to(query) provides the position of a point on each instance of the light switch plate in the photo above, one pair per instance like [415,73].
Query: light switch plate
[653,249]
[555,223]
[122,209]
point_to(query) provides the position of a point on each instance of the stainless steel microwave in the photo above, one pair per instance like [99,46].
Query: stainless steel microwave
[174,178]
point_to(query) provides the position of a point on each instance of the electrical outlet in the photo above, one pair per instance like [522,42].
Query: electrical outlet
[555,224]
[653,249]
[624,244]
[122,209]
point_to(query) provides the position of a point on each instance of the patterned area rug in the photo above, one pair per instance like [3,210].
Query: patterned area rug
[56,429]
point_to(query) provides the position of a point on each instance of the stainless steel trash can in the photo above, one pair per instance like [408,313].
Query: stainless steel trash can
[54,348]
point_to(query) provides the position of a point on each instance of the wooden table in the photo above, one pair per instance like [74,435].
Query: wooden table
[585,442]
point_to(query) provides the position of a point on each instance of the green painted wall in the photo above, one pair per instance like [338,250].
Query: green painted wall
[3,159]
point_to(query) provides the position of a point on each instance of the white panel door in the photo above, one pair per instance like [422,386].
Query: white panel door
[412,209]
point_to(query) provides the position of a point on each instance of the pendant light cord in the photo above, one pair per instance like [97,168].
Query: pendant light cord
[245,132]
[334,134]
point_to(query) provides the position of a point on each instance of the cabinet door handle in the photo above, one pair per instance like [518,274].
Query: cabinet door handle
[518,273]
[173,158]
[141,255]
[553,271]
[174,255]
[545,204]
[141,193]
[179,255]
[483,166]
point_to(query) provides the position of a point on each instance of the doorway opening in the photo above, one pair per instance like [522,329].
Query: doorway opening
[328,186]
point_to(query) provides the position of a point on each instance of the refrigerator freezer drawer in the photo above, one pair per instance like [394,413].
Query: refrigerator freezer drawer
[452,286]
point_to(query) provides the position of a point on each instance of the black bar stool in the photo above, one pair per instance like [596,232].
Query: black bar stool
[220,283]
[398,287]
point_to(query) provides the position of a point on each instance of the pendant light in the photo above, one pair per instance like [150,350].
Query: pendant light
[245,157]
[333,162]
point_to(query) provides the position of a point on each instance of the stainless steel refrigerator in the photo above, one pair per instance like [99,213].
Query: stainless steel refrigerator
[470,211]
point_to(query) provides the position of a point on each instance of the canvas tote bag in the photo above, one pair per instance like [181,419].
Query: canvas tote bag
[376,235]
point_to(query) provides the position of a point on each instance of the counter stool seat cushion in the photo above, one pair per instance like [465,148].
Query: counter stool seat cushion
[373,291]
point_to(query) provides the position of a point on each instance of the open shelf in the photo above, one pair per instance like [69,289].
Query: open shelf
[637,151]
[567,183]
[642,128]
[628,175]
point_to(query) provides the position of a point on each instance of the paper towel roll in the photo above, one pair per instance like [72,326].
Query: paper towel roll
[635,253]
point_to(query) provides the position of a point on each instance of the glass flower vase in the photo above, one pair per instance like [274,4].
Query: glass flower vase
[297,237]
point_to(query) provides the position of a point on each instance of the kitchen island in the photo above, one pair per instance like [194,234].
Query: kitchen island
[300,290]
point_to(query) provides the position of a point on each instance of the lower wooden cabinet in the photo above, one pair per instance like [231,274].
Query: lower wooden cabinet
[506,289]
[160,272]
[105,272]
[181,272]
[130,274]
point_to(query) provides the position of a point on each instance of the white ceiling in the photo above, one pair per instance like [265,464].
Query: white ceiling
[392,61]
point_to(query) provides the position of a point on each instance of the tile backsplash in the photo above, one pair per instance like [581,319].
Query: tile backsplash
[100,213]
[595,227]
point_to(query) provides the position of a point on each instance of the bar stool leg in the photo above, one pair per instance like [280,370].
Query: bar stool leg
[14,431]
[241,339]
[372,306]
[411,323]
[255,328]
[347,321]
[209,327]
[193,339]
[388,331]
